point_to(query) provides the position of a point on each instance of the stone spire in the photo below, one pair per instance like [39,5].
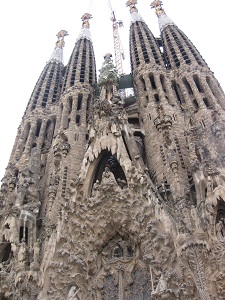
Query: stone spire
[57,54]
[164,20]
[135,16]
[48,85]
[178,49]
[81,66]
[143,46]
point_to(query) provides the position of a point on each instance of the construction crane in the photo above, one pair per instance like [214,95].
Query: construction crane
[118,49]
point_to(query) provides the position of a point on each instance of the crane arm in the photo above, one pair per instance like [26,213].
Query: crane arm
[118,49]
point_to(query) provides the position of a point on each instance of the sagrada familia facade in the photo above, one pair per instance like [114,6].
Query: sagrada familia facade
[117,196]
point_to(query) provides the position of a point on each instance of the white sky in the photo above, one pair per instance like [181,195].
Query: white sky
[28,36]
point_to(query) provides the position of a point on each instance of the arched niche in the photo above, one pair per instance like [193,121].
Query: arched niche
[107,160]
[220,220]
[5,252]
[27,227]
[124,274]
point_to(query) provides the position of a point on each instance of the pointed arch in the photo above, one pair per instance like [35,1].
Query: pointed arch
[140,286]
[107,160]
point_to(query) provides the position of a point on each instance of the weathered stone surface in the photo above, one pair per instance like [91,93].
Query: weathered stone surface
[103,199]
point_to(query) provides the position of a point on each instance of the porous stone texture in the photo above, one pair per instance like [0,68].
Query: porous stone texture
[104,199]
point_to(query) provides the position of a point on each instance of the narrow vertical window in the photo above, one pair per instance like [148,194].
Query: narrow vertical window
[79,102]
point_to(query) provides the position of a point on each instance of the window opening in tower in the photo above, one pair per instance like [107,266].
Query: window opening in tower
[79,102]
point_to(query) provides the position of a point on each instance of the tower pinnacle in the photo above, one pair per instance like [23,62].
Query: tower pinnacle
[164,20]
[132,5]
[85,32]
[60,35]
[85,18]
[157,4]
[57,54]
[135,16]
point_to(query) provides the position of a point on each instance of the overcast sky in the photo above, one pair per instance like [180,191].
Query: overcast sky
[28,36]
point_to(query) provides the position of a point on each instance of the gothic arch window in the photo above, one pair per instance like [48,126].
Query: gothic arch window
[23,234]
[126,276]
[140,287]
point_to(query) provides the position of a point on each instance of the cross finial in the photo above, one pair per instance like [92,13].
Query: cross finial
[85,18]
[157,4]
[60,35]
[132,5]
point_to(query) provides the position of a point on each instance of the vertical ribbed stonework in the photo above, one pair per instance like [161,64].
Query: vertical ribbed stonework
[74,108]
[38,123]
[81,67]
[24,183]
[156,97]
[199,98]
[48,86]
[35,133]
[194,79]
[143,46]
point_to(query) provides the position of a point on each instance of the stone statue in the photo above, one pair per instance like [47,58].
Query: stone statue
[72,295]
[220,231]
[108,177]
[161,286]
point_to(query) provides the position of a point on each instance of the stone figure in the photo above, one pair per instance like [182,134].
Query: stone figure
[220,231]
[72,295]
[161,286]
[108,177]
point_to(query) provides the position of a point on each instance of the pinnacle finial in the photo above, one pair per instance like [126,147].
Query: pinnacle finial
[57,54]
[132,5]
[157,4]
[164,20]
[85,18]
[60,35]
